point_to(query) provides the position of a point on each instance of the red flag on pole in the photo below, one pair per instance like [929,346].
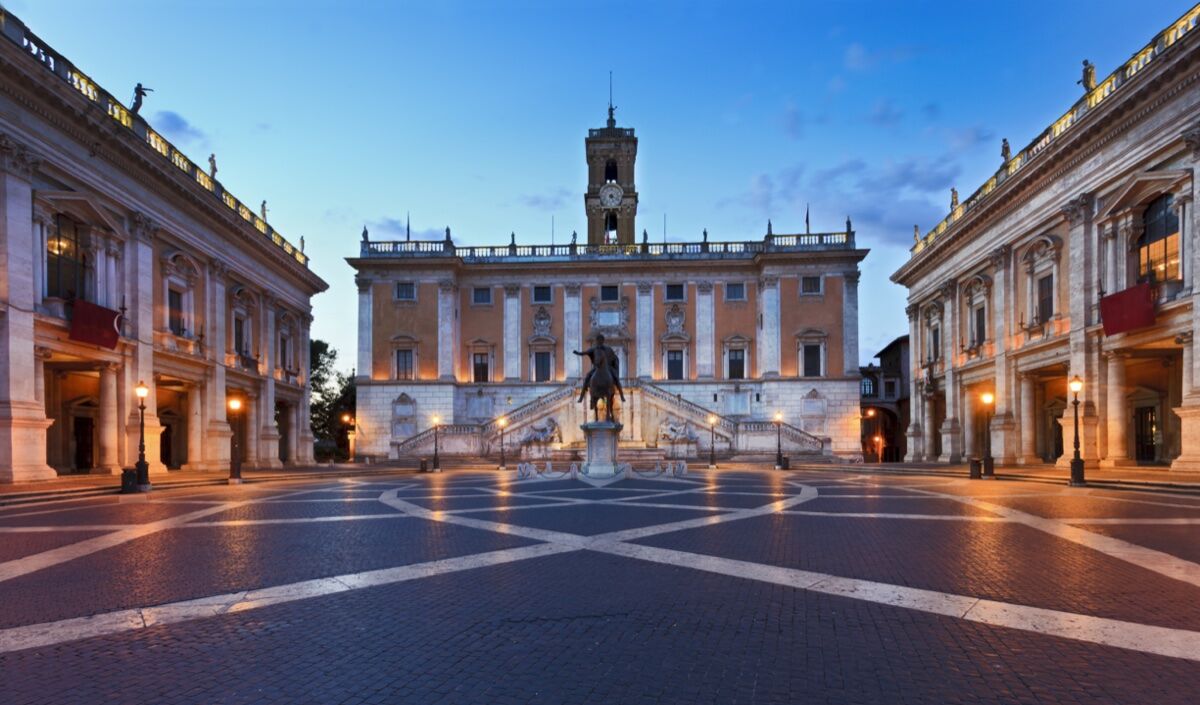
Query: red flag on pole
[94,324]
[1127,310]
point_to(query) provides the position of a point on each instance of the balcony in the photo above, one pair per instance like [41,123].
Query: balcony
[645,251]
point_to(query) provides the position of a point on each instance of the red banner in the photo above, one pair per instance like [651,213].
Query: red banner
[94,324]
[1128,310]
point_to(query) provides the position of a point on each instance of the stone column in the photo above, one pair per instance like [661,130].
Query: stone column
[140,301]
[916,410]
[268,454]
[1116,414]
[572,329]
[42,220]
[365,327]
[769,339]
[645,330]
[447,325]
[23,421]
[217,433]
[970,443]
[304,444]
[253,421]
[110,431]
[705,330]
[195,428]
[512,333]
[293,437]
[1003,428]
[1084,361]
[1189,411]
[1108,236]
[100,264]
[930,429]
[951,427]
[1028,421]
[850,322]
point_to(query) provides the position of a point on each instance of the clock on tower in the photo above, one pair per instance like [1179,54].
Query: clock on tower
[611,198]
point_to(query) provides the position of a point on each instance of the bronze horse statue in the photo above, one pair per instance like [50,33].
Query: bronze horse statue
[603,381]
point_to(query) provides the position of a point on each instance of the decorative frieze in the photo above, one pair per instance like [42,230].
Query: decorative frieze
[16,159]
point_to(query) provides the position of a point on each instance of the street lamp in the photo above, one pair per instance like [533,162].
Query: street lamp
[351,433]
[712,442]
[778,440]
[502,422]
[989,465]
[879,447]
[235,449]
[142,467]
[437,421]
[870,414]
[1077,479]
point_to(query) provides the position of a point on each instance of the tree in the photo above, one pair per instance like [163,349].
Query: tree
[333,394]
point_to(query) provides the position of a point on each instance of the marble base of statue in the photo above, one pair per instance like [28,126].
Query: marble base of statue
[601,437]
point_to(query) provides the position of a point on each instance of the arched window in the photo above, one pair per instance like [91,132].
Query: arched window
[610,227]
[868,386]
[1158,247]
[610,172]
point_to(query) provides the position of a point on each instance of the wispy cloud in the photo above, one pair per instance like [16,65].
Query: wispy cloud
[793,121]
[969,138]
[553,200]
[177,128]
[858,57]
[388,227]
[885,113]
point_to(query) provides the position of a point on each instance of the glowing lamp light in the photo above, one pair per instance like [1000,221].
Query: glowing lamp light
[345,418]
[1076,384]
[871,413]
[712,420]
[141,390]
[502,421]
[436,419]
[988,398]
[779,417]
[878,439]
[235,404]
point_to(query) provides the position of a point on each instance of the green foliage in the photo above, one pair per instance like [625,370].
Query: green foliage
[333,394]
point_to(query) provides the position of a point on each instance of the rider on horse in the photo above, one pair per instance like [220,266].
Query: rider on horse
[601,354]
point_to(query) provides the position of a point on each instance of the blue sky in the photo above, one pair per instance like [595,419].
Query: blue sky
[472,114]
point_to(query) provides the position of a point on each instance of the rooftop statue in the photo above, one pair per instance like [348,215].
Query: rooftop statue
[1005,150]
[139,92]
[953,198]
[916,233]
[365,238]
[603,381]
[1088,81]
[212,166]
[263,209]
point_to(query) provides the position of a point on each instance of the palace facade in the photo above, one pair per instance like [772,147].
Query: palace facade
[121,262]
[714,338]
[1077,258]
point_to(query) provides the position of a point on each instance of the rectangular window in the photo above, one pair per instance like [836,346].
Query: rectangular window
[175,311]
[610,293]
[889,389]
[1045,299]
[481,367]
[674,364]
[935,343]
[541,366]
[64,262]
[239,336]
[481,295]
[812,360]
[543,295]
[404,365]
[980,325]
[810,286]
[737,363]
[406,291]
[674,292]
[735,291]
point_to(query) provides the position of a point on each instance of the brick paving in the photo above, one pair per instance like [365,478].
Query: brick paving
[587,626]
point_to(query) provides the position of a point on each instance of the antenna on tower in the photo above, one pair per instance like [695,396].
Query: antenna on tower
[612,121]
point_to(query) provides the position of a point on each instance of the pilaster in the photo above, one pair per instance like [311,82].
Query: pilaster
[512,333]
[705,330]
[645,330]
[447,330]
[139,287]
[769,310]
[366,327]
[573,329]
[850,322]
[268,454]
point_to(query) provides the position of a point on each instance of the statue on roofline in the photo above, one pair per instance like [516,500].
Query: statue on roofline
[1088,80]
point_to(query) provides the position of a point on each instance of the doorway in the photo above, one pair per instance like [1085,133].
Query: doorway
[1145,434]
[84,427]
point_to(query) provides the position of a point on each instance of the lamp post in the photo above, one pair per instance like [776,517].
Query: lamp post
[142,467]
[437,421]
[712,442]
[502,422]
[351,434]
[1077,479]
[870,414]
[778,440]
[989,465]
[235,448]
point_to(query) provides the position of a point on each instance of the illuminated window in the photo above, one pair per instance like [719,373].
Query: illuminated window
[64,261]
[1158,246]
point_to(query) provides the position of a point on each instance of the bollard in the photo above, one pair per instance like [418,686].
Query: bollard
[974,469]
[129,484]
[424,465]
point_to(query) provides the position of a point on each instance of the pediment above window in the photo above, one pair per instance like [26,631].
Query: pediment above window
[1142,188]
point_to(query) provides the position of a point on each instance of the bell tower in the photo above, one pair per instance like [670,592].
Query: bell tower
[611,199]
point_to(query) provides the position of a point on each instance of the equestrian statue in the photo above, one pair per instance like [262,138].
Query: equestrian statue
[603,381]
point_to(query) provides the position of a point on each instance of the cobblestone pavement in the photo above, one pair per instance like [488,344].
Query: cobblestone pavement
[715,587]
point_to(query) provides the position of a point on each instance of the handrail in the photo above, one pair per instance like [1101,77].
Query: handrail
[19,34]
[659,393]
[527,409]
[771,243]
[1103,90]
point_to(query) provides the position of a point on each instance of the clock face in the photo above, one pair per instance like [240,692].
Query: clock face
[611,195]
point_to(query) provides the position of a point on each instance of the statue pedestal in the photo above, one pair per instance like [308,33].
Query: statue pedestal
[601,437]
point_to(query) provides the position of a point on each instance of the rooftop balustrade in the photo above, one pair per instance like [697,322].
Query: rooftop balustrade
[770,244]
[16,32]
[1104,90]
